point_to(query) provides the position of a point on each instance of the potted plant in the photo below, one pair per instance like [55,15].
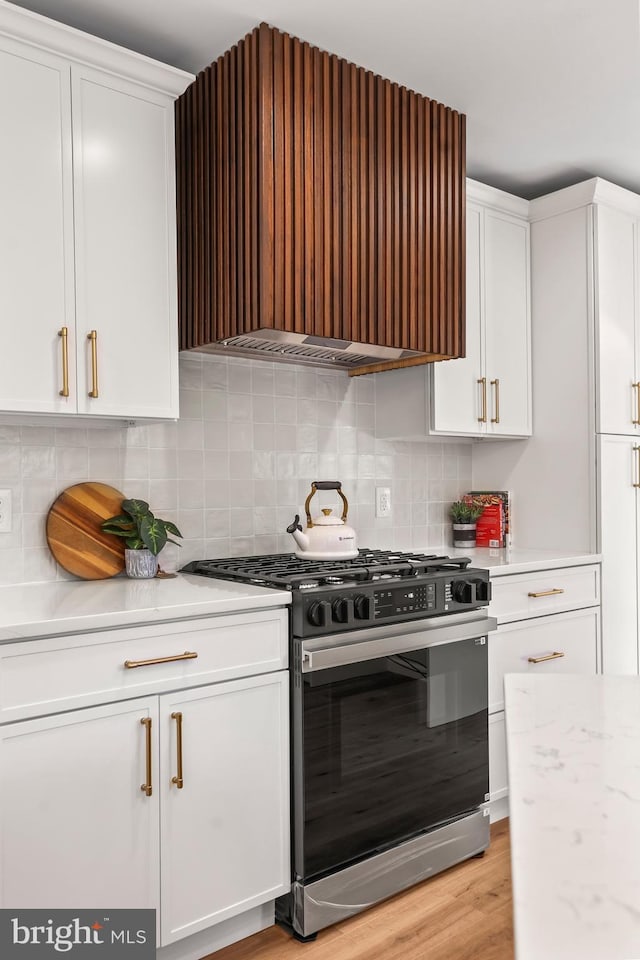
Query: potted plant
[464,516]
[144,537]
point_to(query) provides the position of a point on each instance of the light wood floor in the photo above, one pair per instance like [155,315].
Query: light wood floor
[462,914]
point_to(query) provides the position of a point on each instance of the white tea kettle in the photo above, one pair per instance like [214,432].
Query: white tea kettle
[327,537]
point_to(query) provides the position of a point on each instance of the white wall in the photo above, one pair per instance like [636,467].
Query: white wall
[236,467]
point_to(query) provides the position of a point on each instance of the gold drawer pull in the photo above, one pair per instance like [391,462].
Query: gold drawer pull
[93,337]
[496,384]
[178,780]
[63,334]
[483,383]
[147,788]
[636,386]
[547,593]
[549,656]
[637,451]
[187,655]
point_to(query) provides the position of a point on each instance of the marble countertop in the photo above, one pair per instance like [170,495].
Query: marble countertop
[70,606]
[521,560]
[573,745]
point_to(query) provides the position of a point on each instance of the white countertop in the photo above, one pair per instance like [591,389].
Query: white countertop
[70,606]
[573,747]
[522,560]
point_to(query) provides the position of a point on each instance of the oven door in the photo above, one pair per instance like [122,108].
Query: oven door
[390,737]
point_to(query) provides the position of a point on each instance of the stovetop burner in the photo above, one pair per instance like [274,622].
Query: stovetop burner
[289,572]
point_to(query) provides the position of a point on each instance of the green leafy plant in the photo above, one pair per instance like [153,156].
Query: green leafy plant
[140,529]
[463,512]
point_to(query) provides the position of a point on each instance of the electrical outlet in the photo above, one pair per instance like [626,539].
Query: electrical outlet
[383,501]
[5,511]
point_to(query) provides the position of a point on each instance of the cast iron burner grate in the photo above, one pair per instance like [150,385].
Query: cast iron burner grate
[285,570]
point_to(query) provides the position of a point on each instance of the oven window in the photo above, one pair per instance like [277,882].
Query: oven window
[391,748]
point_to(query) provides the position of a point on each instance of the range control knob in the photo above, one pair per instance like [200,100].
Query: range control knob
[463,591]
[363,607]
[483,590]
[319,613]
[342,610]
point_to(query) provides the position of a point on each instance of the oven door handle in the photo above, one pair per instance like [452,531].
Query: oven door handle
[314,656]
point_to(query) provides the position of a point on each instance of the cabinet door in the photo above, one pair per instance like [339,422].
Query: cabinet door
[498,779]
[457,401]
[225,833]
[36,230]
[125,247]
[76,830]
[618,400]
[506,325]
[619,470]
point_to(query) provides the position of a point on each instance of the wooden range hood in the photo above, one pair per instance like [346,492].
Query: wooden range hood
[321,212]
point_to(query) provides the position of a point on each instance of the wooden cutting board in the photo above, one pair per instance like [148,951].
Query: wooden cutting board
[74,535]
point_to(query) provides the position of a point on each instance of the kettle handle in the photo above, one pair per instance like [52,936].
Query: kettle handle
[326,485]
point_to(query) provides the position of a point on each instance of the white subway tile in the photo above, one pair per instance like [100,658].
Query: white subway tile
[240,407]
[217,523]
[241,436]
[285,380]
[264,409]
[214,405]
[38,461]
[190,493]
[214,373]
[262,379]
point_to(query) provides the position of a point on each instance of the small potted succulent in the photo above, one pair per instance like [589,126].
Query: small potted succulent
[144,537]
[464,516]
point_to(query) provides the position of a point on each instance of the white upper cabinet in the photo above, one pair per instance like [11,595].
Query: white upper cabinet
[36,229]
[125,248]
[487,393]
[87,232]
[506,325]
[616,313]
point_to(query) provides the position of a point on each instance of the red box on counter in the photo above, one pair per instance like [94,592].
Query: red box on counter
[490,526]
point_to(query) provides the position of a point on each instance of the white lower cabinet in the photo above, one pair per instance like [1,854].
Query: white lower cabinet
[76,830]
[177,801]
[225,833]
[567,642]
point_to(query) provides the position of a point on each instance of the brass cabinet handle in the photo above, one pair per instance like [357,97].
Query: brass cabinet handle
[64,334]
[496,384]
[93,337]
[636,387]
[637,483]
[547,593]
[187,655]
[549,656]
[483,381]
[147,788]
[178,780]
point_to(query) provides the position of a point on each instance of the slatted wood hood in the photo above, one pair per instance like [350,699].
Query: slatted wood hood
[321,212]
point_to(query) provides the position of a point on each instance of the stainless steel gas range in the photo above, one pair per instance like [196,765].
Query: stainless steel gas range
[389,755]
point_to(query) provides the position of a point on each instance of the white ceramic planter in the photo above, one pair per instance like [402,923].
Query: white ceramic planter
[140,564]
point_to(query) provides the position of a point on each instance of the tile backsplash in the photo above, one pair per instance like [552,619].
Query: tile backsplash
[236,467]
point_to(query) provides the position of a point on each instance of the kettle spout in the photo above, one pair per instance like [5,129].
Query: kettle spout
[296,532]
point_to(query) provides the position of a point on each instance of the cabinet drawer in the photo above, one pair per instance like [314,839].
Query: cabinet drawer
[550,591]
[62,673]
[573,634]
